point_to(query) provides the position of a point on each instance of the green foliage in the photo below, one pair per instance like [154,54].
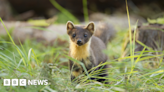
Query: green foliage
[33,60]
[65,15]
[85,10]
[62,18]
[158,20]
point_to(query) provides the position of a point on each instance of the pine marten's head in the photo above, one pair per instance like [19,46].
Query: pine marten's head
[80,34]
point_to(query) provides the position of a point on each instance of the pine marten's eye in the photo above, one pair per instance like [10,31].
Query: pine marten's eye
[73,35]
[85,35]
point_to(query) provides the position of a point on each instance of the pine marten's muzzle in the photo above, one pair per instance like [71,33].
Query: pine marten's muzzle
[79,42]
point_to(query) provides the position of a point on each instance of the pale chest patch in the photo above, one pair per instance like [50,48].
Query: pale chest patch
[79,52]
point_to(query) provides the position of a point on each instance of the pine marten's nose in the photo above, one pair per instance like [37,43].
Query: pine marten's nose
[79,41]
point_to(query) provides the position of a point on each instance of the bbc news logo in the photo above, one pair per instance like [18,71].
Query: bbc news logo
[23,82]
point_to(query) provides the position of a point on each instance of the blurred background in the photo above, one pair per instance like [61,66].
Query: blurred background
[12,10]
[19,14]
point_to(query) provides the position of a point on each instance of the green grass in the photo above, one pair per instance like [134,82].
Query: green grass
[64,15]
[85,10]
[33,60]
[129,71]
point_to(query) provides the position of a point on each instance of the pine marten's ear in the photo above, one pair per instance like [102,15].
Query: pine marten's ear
[90,27]
[70,26]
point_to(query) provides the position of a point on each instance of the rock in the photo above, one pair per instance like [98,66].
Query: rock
[152,36]
[11,25]
[119,21]
[54,32]
[22,31]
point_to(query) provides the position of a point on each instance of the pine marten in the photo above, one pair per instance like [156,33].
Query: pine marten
[86,48]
